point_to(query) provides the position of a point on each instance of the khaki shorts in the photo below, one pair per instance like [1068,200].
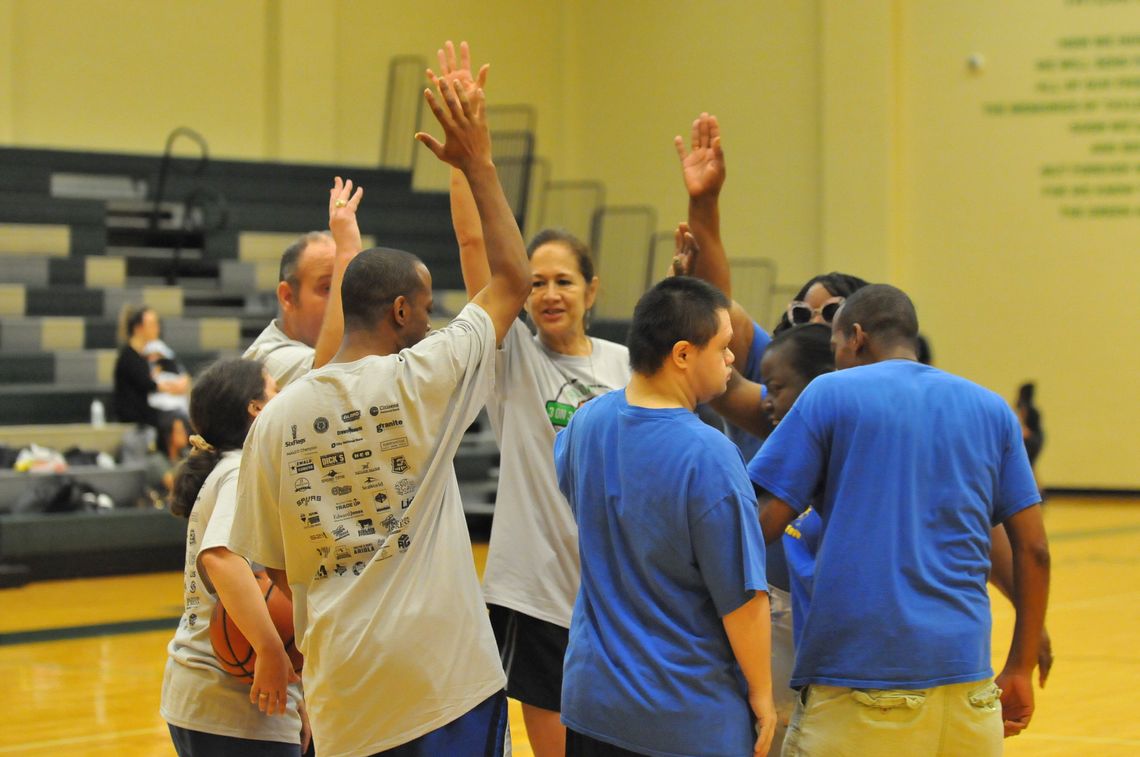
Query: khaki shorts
[948,721]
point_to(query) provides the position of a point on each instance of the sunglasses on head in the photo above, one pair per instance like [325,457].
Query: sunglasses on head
[800,313]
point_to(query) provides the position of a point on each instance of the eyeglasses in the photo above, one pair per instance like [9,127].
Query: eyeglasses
[800,313]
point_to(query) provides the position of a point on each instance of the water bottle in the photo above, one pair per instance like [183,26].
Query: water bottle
[98,416]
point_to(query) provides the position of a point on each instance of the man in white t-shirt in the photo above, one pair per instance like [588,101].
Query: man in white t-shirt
[308,326]
[348,485]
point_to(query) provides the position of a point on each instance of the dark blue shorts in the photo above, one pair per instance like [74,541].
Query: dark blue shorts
[481,732]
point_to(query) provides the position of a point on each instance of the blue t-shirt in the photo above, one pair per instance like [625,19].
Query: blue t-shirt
[801,541]
[748,443]
[909,468]
[670,542]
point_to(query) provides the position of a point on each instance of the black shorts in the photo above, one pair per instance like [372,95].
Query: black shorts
[581,745]
[532,651]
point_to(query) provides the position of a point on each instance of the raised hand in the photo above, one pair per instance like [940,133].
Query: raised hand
[685,252]
[343,203]
[459,71]
[703,166]
[467,140]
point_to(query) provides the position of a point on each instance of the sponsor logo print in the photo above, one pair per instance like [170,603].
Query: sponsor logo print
[399,464]
[321,425]
[332,475]
[302,501]
[381,501]
[336,458]
[350,416]
[319,536]
[406,502]
[365,527]
[374,411]
[361,454]
[311,519]
[371,482]
[357,567]
[323,551]
[349,430]
[340,570]
[391,444]
[346,442]
[294,441]
[342,490]
[390,408]
[405,486]
[364,549]
[404,542]
[339,533]
[301,485]
[298,467]
[321,572]
[395,423]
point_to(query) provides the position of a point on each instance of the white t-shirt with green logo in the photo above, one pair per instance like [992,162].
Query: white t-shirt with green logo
[532,563]
[347,482]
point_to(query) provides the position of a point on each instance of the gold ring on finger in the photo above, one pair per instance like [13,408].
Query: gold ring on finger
[340,203]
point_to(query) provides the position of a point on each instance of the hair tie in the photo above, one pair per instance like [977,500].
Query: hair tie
[200,444]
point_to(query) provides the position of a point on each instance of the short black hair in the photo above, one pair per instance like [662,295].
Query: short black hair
[885,313]
[809,349]
[680,308]
[292,256]
[837,284]
[373,281]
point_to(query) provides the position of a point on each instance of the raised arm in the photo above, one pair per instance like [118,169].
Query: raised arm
[703,171]
[237,588]
[702,168]
[464,213]
[343,203]
[467,146]
[1030,549]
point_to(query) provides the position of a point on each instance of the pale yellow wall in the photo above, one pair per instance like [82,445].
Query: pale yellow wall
[855,140]
[1007,287]
[121,75]
[644,70]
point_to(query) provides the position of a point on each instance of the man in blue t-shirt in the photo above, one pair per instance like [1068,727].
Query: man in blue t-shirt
[669,640]
[908,468]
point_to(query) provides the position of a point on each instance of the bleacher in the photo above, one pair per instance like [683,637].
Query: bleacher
[82,234]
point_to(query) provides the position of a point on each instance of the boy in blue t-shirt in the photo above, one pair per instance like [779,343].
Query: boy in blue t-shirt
[909,468]
[669,641]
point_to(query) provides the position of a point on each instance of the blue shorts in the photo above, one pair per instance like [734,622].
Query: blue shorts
[189,743]
[481,732]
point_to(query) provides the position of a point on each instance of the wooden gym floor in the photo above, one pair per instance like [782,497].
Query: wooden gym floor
[82,661]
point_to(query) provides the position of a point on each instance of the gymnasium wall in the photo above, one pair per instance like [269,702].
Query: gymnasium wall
[857,138]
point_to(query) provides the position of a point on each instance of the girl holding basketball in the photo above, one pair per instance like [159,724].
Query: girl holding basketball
[208,710]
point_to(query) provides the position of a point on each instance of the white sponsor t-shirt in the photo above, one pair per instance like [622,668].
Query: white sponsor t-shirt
[196,693]
[348,484]
[284,358]
[532,562]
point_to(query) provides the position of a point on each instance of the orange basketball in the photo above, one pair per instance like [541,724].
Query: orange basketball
[233,650]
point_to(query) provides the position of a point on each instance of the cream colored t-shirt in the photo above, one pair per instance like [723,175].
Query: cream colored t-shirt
[348,484]
[196,693]
[532,562]
[284,358]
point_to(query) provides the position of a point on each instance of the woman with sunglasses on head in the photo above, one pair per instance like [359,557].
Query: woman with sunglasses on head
[531,577]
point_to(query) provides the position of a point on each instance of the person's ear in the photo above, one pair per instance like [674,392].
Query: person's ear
[254,408]
[591,292]
[682,354]
[859,340]
[285,296]
[400,309]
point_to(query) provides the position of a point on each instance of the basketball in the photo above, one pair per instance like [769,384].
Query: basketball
[233,650]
